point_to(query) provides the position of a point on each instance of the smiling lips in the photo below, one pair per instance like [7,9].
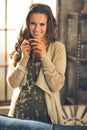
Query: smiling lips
[36,33]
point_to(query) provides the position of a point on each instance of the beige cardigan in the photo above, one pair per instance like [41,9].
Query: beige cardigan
[50,80]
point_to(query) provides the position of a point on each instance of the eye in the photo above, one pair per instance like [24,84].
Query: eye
[42,24]
[32,23]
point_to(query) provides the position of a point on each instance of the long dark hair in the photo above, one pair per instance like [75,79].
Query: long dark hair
[51,33]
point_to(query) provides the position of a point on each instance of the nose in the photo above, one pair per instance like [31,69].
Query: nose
[37,27]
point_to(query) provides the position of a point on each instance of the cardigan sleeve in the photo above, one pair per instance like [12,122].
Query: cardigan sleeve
[54,69]
[16,74]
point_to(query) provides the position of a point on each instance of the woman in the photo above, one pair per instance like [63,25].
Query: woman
[37,72]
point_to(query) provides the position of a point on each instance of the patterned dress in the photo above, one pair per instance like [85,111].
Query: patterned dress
[31,101]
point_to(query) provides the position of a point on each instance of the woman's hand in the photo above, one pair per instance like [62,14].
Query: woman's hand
[39,48]
[25,47]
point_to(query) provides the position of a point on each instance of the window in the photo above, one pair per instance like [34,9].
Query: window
[12,15]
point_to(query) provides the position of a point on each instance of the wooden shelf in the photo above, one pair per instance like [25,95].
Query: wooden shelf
[73,58]
[76,57]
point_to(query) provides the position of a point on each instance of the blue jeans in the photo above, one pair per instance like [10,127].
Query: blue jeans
[10,123]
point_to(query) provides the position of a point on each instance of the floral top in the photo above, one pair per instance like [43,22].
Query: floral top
[31,101]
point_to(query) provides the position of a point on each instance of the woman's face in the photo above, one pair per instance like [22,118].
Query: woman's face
[38,25]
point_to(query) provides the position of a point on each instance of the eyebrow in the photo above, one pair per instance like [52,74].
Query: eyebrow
[39,23]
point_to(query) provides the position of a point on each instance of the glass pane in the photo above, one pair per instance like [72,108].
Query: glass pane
[17,10]
[84,30]
[2,84]
[51,3]
[11,39]
[2,48]
[2,14]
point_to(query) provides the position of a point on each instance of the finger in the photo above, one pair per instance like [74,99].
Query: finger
[25,42]
[36,47]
